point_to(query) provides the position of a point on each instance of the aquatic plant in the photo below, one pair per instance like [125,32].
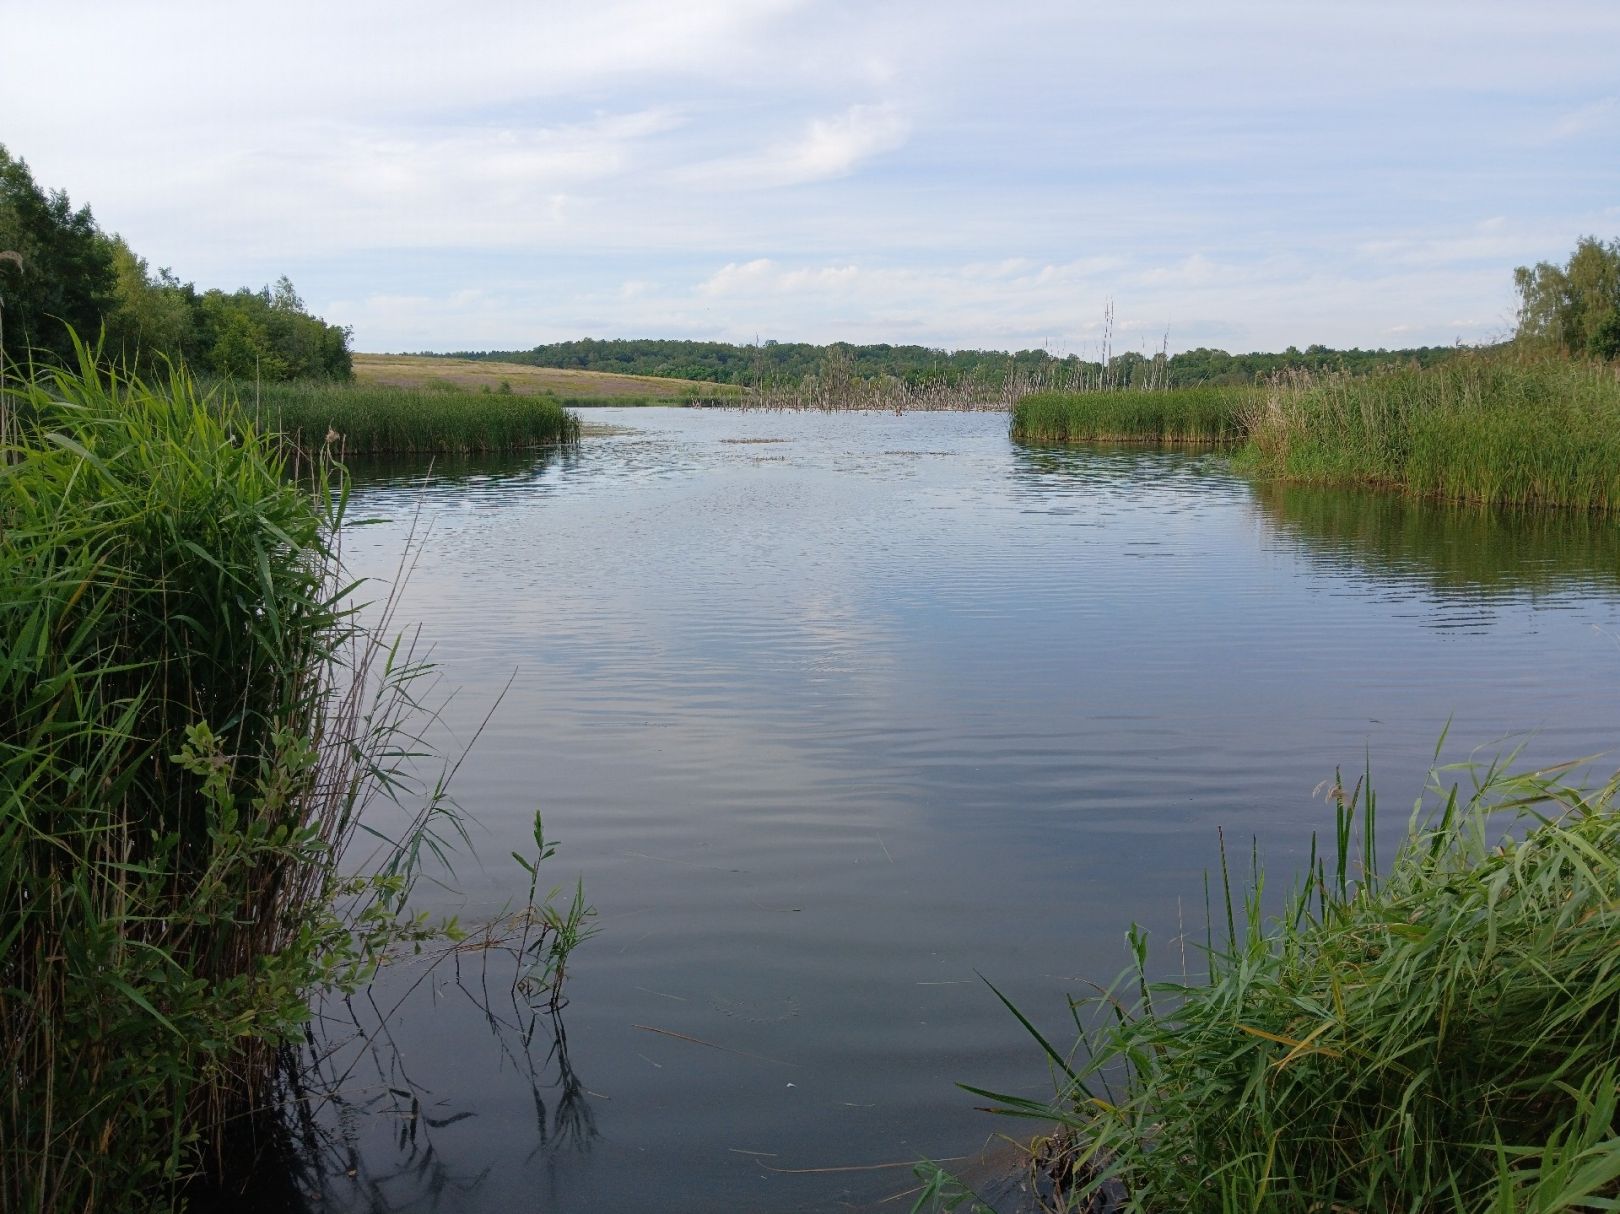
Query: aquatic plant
[191,722]
[1489,552]
[1174,415]
[1493,429]
[361,419]
[1441,1036]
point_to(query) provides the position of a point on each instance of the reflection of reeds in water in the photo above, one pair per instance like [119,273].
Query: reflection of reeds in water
[354,1076]
[1445,545]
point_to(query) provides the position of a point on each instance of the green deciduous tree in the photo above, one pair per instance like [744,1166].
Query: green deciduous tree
[151,317]
[61,271]
[267,335]
[1574,307]
[66,275]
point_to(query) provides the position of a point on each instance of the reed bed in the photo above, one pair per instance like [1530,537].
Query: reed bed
[1494,430]
[1173,415]
[1488,428]
[369,420]
[190,724]
[1443,1037]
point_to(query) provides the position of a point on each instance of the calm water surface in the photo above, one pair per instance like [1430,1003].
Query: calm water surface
[833,713]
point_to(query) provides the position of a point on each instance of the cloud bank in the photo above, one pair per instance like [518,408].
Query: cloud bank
[1250,175]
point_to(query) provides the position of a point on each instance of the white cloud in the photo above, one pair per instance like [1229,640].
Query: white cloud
[824,148]
[1255,172]
[1601,115]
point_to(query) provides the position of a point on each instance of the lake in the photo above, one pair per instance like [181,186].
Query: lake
[834,714]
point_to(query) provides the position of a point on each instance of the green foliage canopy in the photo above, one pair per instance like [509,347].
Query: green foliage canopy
[74,276]
[1574,307]
[66,275]
[786,363]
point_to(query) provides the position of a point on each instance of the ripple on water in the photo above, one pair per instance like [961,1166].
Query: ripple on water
[825,734]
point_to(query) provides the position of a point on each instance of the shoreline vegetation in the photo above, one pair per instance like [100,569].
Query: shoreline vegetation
[196,721]
[1497,429]
[362,419]
[1440,1036]
[1206,415]
[1534,422]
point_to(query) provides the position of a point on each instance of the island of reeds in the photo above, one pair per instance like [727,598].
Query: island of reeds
[362,419]
[1533,423]
[1495,428]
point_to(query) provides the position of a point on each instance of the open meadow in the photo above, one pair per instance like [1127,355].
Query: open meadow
[571,387]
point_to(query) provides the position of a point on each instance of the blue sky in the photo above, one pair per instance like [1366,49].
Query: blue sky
[1242,175]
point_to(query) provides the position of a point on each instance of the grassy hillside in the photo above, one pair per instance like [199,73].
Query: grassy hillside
[569,386]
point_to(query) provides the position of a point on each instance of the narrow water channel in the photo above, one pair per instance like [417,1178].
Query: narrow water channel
[834,714]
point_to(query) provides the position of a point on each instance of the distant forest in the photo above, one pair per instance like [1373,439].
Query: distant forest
[775,363]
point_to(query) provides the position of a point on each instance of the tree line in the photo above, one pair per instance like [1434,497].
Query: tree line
[59,272]
[1571,309]
[776,363]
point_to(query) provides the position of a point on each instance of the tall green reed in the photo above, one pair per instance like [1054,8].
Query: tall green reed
[363,419]
[193,719]
[1491,429]
[1440,1036]
[1173,415]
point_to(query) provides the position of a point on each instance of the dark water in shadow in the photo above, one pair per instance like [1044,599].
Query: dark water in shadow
[832,723]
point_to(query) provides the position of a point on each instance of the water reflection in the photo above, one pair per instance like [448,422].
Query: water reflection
[1392,538]
[829,723]
[1039,471]
[487,479]
[384,1125]
[1491,551]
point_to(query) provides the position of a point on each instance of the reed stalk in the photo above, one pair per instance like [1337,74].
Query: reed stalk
[192,721]
[1439,1035]
[1172,415]
[1496,430]
[362,419]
